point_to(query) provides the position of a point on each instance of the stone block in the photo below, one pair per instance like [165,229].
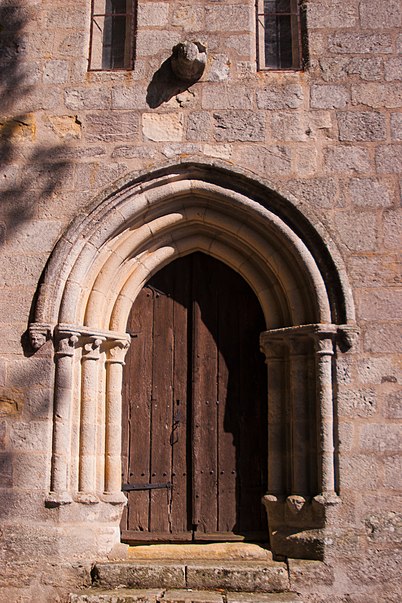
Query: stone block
[55,72]
[66,127]
[375,14]
[35,435]
[380,304]
[376,370]
[360,471]
[192,596]
[190,18]
[92,98]
[391,229]
[319,192]
[262,598]
[377,95]
[329,97]
[230,97]
[242,44]
[220,151]
[393,404]
[305,160]
[63,16]
[104,127]
[360,43]
[361,126]
[219,69]
[140,575]
[347,160]
[14,307]
[17,273]
[303,573]
[133,97]
[118,595]
[339,68]
[266,577]
[163,126]
[273,97]
[357,402]
[381,438]
[32,470]
[239,126]
[153,14]
[388,159]
[383,338]
[277,160]
[6,470]
[393,473]
[385,527]
[393,69]
[346,434]
[396,126]
[149,44]
[74,45]
[332,15]
[369,192]
[230,17]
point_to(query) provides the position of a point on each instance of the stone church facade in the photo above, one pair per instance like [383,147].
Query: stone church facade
[263,135]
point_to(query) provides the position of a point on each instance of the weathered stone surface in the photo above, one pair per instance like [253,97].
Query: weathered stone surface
[374,14]
[332,15]
[369,192]
[381,438]
[347,160]
[265,577]
[389,159]
[360,43]
[141,575]
[229,18]
[377,95]
[153,14]
[382,337]
[329,97]
[396,126]
[357,403]
[280,97]
[239,126]
[165,127]
[105,127]
[361,126]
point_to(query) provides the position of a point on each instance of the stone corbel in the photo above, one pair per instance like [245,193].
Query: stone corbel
[39,333]
[348,337]
[188,60]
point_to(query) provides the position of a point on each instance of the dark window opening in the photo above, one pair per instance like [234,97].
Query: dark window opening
[279,34]
[112,35]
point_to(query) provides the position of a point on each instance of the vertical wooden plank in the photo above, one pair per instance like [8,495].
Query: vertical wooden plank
[204,422]
[162,399]
[228,397]
[137,379]
[180,521]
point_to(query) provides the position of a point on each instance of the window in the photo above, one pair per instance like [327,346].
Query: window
[279,34]
[112,35]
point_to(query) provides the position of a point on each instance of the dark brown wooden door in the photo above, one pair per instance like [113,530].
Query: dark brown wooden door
[194,408]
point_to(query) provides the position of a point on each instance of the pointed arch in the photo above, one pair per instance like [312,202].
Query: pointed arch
[107,255]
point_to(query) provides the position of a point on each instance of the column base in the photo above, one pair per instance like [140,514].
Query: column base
[299,527]
[114,498]
[58,499]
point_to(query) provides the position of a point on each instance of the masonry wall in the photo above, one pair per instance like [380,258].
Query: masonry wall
[328,136]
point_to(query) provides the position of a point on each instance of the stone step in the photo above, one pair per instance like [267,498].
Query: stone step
[242,576]
[121,595]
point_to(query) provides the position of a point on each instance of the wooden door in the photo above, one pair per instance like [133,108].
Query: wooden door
[194,408]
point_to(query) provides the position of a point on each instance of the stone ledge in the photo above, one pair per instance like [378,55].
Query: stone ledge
[179,596]
[246,576]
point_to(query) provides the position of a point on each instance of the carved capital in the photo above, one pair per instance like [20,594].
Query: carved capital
[348,337]
[117,350]
[66,343]
[272,347]
[39,333]
[91,349]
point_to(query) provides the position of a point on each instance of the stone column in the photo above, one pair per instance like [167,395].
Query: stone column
[89,398]
[65,345]
[298,394]
[324,350]
[274,351]
[114,380]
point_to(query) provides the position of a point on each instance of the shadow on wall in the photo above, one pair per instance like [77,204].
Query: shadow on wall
[29,170]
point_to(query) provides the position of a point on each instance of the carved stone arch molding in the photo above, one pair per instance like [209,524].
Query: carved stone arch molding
[93,277]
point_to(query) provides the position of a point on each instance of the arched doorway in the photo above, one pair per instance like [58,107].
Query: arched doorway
[194,408]
[96,272]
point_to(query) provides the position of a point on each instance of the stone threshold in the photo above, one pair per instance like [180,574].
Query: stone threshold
[220,551]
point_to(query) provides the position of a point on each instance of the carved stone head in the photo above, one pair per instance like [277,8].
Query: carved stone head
[38,335]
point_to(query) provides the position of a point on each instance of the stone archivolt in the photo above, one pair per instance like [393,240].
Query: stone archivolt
[98,268]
